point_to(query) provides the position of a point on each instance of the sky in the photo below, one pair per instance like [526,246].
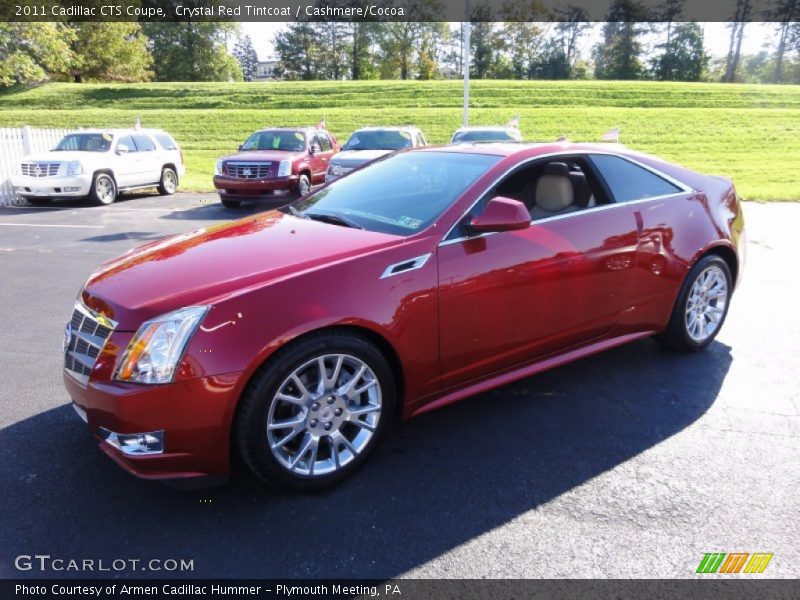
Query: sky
[716,37]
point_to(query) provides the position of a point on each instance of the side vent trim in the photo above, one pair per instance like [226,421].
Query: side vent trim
[406,265]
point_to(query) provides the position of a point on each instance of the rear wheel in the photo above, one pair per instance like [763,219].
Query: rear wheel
[230,203]
[701,307]
[169,182]
[39,201]
[315,412]
[104,189]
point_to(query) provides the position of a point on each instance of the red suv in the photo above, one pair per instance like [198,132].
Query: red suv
[278,163]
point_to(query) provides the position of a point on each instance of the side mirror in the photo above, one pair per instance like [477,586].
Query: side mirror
[123,149]
[241,147]
[314,148]
[502,214]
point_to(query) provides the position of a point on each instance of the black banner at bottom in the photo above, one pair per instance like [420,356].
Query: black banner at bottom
[404,589]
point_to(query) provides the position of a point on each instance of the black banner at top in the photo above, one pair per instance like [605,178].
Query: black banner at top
[394,10]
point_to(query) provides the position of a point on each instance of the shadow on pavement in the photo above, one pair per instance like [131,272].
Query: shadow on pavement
[437,481]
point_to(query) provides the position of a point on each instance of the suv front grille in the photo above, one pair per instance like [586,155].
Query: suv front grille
[84,338]
[242,170]
[40,169]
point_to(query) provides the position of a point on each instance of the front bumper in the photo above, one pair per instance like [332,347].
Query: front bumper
[188,423]
[252,189]
[77,186]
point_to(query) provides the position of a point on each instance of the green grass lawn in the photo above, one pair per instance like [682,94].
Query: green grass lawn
[748,132]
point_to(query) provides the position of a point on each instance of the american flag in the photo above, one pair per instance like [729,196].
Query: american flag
[513,122]
[611,136]
[137,124]
[322,124]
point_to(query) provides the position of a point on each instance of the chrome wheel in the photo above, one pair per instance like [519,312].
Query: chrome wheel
[169,181]
[324,414]
[104,189]
[705,305]
[304,186]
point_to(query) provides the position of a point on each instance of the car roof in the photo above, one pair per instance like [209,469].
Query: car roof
[523,149]
[388,128]
[118,131]
[486,128]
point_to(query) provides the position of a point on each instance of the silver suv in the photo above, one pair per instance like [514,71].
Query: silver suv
[368,143]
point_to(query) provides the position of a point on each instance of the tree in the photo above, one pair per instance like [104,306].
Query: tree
[192,51]
[618,56]
[684,57]
[743,8]
[299,52]
[486,44]
[105,51]
[362,58]
[573,21]
[786,14]
[335,40]
[33,52]
[523,35]
[398,40]
[245,53]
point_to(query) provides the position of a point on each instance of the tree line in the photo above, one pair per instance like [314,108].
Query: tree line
[546,45]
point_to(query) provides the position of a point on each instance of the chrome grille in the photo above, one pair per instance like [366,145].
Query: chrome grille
[40,169]
[84,338]
[242,170]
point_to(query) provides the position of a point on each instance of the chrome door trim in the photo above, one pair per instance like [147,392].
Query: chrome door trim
[414,264]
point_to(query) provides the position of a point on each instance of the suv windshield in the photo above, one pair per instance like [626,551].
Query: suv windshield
[401,195]
[494,135]
[290,141]
[381,139]
[85,142]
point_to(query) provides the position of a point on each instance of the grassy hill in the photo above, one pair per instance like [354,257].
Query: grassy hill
[748,132]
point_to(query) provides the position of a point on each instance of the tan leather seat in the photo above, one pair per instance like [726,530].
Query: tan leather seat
[554,194]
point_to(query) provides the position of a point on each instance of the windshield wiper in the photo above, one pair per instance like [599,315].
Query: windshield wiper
[297,213]
[333,219]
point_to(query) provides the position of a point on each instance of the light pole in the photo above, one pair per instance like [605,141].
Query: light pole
[465,65]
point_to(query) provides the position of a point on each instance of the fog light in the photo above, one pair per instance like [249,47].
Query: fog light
[138,444]
[71,189]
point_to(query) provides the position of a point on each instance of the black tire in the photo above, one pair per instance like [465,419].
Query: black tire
[39,201]
[230,203]
[677,336]
[249,431]
[168,184]
[303,186]
[99,183]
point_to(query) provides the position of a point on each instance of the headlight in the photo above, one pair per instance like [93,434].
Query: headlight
[218,167]
[74,167]
[157,348]
[285,168]
[335,170]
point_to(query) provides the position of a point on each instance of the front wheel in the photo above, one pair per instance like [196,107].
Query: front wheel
[315,411]
[701,307]
[303,186]
[104,189]
[169,182]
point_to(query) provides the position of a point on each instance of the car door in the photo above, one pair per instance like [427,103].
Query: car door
[323,157]
[126,162]
[149,160]
[510,297]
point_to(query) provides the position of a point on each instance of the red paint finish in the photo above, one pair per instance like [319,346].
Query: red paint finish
[484,310]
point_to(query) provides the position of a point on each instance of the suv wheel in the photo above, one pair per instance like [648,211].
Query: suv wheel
[169,182]
[104,189]
[315,411]
[303,185]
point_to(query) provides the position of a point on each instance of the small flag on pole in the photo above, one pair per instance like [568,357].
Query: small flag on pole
[137,124]
[322,124]
[513,122]
[611,136]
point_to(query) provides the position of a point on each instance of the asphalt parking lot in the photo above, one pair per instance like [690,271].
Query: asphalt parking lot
[632,463]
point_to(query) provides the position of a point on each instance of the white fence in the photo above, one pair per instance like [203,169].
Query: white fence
[16,143]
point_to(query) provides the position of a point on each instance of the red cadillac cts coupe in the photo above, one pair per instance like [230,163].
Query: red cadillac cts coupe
[294,337]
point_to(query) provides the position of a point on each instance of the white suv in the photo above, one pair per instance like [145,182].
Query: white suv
[100,164]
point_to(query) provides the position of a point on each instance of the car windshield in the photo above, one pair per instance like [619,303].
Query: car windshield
[379,139]
[290,141]
[85,142]
[400,195]
[494,135]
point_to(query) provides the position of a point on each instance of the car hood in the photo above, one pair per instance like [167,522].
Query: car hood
[264,156]
[210,264]
[358,156]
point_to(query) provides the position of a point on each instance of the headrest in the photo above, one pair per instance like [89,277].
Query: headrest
[554,188]
[556,168]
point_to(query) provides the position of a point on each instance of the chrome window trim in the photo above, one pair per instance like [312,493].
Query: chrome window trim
[418,263]
[682,186]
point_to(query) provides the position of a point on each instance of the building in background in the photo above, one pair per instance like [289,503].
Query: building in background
[265,70]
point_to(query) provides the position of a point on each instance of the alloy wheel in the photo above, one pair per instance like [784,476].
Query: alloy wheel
[705,305]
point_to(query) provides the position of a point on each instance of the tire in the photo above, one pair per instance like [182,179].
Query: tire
[169,182]
[39,201]
[692,325]
[303,186]
[104,189]
[322,440]
[230,203]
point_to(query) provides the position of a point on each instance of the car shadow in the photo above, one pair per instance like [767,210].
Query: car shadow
[437,481]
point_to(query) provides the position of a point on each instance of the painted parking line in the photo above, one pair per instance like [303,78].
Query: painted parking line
[48,225]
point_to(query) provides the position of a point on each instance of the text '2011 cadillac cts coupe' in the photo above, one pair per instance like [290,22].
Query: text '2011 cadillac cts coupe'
[294,337]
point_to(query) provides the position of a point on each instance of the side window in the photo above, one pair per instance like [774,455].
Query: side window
[167,143]
[127,140]
[324,142]
[629,181]
[143,143]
